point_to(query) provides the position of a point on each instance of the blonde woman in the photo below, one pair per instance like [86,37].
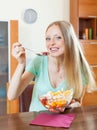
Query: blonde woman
[64,67]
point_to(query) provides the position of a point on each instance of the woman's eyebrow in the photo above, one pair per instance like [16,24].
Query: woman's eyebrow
[54,35]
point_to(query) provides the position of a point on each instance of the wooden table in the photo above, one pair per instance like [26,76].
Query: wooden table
[85,119]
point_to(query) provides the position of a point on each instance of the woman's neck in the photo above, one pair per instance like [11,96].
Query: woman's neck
[56,62]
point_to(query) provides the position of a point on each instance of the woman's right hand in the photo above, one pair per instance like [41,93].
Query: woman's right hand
[19,53]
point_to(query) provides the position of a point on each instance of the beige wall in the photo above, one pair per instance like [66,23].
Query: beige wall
[32,35]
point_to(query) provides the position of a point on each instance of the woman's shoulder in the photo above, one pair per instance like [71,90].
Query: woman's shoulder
[40,59]
[37,60]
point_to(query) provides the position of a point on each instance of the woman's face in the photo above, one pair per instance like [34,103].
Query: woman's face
[55,41]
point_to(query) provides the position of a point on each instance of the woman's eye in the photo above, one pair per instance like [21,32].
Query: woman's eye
[58,37]
[48,39]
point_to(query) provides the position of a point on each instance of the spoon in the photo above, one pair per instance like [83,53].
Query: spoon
[39,54]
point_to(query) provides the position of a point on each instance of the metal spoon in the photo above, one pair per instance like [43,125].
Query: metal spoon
[39,54]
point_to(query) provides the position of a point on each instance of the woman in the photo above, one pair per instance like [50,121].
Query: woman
[63,68]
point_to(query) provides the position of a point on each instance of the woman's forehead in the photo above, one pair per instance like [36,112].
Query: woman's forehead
[54,30]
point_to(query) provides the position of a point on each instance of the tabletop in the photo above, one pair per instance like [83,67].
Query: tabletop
[85,119]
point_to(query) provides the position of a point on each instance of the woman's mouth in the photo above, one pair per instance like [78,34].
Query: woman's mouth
[54,49]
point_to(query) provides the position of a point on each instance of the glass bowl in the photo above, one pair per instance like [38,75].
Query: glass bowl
[54,100]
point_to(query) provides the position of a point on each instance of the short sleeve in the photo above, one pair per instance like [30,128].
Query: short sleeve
[34,65]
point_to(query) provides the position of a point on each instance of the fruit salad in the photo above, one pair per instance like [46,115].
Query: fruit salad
[56,99]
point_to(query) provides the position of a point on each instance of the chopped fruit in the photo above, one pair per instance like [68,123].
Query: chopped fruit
[44,100]
[56,99]
[67,92]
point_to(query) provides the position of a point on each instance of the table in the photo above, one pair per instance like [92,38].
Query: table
[85,119]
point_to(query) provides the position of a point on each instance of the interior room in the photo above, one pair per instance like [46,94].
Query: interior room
[25,22]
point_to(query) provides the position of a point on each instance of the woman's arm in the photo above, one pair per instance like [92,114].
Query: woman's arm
[77,102]
[18,82]
[19,79]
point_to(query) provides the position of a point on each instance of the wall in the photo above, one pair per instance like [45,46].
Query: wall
[32,35]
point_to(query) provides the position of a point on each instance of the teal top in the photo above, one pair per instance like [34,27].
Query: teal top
[39,67]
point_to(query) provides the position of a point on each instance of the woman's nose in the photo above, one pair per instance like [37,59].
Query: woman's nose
[52,41]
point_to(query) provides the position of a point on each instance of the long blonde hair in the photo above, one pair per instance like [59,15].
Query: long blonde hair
[75,62]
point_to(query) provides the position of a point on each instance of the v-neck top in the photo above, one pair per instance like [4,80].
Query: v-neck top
[39,67]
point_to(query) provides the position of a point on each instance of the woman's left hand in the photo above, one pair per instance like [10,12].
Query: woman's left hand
[74,103]
[58,110]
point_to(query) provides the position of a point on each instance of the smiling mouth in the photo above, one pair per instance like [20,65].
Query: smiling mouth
[54,49]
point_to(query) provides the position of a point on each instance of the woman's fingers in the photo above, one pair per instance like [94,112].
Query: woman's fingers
[75,104]
[57,110]
[52,110]
[61,109]
[18,52]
